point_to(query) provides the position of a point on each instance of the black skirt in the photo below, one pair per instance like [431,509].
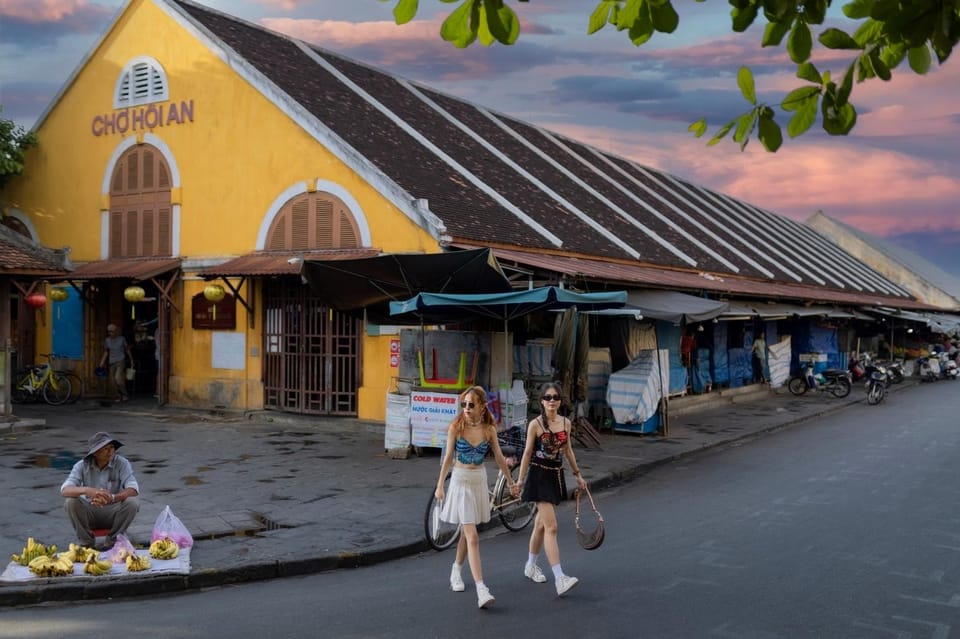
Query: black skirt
[545,481]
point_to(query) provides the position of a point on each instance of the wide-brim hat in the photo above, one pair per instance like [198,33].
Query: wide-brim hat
[99,440]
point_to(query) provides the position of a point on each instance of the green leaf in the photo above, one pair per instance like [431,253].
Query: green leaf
[800,42]
[858,9]
[600,16]
[838,120]
[769,132]
[919,59]
[773,34]
[500,20]
[484,34]
[815,11]
[698,128]
[837,39]
[629,14]
[664,17]
[745,126]
[879,67]
[807,71]
[721,133]
[459,28]
[745,82]
[405,11]
[642,29]
[846,87]
[743,17]
[797,98]
[869,32]
[804,118]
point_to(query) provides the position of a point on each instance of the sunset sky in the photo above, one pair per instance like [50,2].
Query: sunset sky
[895,176]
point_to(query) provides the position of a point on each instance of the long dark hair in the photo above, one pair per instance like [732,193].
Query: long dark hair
[547,387]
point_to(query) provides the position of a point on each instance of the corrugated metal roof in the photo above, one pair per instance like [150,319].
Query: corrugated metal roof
[492,180]
[279,262]
[140,268]
[647,276]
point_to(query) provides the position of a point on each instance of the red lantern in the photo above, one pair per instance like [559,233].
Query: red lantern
[36,300]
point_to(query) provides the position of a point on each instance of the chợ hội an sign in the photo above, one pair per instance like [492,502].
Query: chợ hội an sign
[142,118]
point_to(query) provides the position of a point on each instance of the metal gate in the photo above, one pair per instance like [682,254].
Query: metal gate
[311,353]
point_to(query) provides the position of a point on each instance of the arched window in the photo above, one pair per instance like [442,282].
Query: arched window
[313,221]
[142,81]
[140,210]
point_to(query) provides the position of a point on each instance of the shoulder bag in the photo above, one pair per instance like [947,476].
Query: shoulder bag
[589,539]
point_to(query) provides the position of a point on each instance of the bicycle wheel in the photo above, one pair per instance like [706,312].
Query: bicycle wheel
[841,387]
[76,386]
[440,534]
[20,393]
[514,513]
[56,389]
[797,385]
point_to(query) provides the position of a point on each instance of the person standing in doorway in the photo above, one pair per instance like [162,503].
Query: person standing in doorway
[471,435]
[541,480]
[116,353]
[758,356]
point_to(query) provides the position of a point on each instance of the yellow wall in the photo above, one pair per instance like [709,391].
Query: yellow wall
[235,159]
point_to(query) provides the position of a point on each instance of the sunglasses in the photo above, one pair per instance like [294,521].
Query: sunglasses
[551,398]
[467,405]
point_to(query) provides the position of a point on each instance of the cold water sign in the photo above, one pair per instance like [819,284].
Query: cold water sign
[143,118]
[430,414]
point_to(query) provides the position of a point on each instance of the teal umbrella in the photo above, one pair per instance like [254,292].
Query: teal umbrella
[439,308]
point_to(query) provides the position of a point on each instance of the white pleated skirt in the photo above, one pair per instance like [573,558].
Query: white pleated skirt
[466,500]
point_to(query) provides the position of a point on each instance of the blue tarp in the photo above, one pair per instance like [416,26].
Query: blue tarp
[721,371]
[701,370]
[668,336]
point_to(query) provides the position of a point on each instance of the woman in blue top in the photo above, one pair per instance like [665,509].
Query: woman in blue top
[541,476]
[471,434]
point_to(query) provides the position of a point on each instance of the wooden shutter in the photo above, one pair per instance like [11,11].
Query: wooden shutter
[313,221]
[140,205]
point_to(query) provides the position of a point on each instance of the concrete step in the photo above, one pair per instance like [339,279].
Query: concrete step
[718,397]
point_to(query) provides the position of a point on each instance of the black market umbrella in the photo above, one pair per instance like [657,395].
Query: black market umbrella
[370,283]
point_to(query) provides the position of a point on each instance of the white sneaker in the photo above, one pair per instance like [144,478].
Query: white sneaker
[565,583]
[534,574]
[484,598]
[456,581]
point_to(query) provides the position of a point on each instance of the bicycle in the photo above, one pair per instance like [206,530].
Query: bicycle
[41,381]
[514,514]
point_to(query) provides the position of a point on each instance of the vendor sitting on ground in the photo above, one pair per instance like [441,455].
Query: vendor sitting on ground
[101,492]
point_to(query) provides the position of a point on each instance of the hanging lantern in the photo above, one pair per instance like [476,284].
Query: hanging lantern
[134,294]
[214,293]
[36,300]
[58,294]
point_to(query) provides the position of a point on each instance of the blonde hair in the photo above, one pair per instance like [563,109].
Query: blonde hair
[480,395]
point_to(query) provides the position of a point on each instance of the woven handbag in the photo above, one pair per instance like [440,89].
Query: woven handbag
[592,539]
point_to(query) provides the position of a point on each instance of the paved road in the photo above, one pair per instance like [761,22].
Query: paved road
[271,495]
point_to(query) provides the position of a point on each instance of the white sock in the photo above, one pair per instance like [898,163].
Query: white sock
[557,572]
[457,567]
[532,559]
[479,585]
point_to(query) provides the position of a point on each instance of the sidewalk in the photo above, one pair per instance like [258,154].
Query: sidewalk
[273,495]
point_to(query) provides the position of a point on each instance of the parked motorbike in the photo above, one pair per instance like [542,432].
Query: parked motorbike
[948,366]
[832,380]
[929,368]
[894,371]
[876,384]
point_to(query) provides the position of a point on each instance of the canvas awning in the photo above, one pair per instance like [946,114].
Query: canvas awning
[371,283]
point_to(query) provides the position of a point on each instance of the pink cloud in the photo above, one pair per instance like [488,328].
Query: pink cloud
[284,5]
[39,11]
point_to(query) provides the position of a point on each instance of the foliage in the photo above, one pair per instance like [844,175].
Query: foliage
[14,142]
[889,32]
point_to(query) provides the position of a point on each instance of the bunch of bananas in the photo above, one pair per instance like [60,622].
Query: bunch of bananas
[32,550]
[94,567]
[164,548]
[47,566]
[136,563]
[80,554]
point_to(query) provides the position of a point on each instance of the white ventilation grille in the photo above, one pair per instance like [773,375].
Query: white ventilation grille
[142,81]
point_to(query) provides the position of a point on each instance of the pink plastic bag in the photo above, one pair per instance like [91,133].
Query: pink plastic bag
[169,525]
[122,549]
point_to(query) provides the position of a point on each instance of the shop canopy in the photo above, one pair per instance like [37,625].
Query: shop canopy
[442,307]
[371,283]
[670,306]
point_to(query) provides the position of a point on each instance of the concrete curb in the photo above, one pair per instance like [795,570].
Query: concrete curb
[88,588]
